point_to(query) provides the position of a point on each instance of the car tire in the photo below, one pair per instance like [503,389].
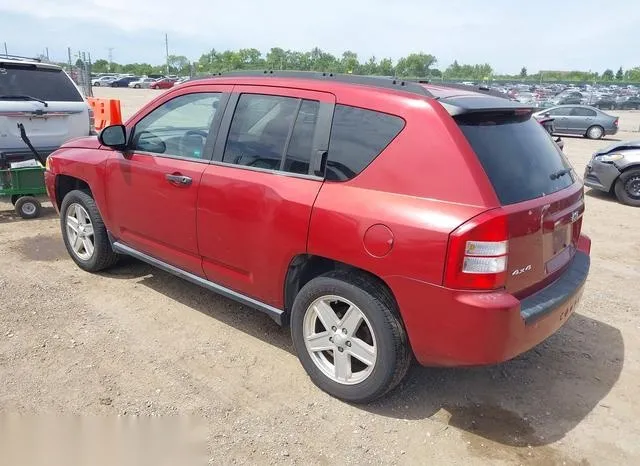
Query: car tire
[379,336]
[137,86]
[97,84]
[96,253]
[28,207]
[595,132]
[627,187]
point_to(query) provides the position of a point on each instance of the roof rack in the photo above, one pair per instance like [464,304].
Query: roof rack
[19,57]
[373,81]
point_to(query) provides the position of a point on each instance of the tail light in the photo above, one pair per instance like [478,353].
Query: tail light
[477,254]
[92,121]
[615,122]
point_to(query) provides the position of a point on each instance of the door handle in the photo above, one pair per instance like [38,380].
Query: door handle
[177,179]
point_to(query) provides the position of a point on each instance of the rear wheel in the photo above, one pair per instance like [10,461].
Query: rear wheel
[349,337]
[97,84]
[627,187]
[595,132]
[28,207]
[137,86]
[84,233]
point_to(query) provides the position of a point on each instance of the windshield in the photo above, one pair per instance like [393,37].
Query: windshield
[41,83]
[517,154]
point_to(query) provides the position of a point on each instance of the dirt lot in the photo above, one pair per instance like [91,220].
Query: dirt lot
[137,341]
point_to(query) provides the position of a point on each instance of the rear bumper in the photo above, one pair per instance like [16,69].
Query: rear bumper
[457,328]
[600,175]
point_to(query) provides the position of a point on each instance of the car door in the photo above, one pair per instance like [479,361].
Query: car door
[256,197]
[153,186]
[560,118]
[580,119]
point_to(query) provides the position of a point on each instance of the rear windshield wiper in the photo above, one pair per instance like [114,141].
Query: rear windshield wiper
[559,173]
[23,97]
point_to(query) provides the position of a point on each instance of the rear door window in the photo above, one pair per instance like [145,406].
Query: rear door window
[272,132]
[41,83]
[580,111]
[358,136]
[299,151]
[564,111]
[520,159]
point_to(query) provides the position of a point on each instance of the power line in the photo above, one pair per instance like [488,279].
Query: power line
[166,47]
[110,49]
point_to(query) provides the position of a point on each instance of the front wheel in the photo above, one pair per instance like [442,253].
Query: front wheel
[349,337]
[28,207]
[137,86]
[84,233]
[627,187]
[97,84]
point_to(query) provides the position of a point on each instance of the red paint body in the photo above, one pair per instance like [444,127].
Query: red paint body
[242,228]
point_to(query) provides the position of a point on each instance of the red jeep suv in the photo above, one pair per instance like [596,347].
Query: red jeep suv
[380,219]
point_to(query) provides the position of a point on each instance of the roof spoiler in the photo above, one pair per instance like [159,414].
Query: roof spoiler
[463,105]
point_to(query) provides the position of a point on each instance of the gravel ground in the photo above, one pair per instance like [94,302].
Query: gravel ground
[136,341]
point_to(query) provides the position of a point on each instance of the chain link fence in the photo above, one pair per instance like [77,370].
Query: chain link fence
[80,71]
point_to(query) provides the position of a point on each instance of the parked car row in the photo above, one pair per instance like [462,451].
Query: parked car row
[605,97]
[137,82]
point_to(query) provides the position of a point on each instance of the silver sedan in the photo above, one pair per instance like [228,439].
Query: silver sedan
[582,120]
[142,83]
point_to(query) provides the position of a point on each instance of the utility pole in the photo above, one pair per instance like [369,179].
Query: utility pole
[69,52]
[6,53]
[47,52]
[166,48]
[110,64]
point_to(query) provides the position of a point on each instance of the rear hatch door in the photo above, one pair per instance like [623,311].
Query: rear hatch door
[45,101]
[537,188]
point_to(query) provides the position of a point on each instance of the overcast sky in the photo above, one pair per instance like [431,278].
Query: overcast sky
[542,34]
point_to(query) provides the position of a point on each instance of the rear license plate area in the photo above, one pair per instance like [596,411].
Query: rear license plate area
[561,238]
[562,248]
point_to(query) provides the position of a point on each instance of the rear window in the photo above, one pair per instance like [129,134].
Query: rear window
[517,154]
[357,137]
[41,83]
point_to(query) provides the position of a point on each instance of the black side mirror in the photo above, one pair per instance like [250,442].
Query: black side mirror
[114,136]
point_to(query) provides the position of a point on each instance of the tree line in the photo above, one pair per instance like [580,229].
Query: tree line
[415,65]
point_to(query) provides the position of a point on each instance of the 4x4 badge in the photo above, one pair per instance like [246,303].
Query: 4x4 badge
[522,270]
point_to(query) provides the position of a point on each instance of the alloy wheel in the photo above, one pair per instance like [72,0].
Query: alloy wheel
[80,232]
[340,340]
